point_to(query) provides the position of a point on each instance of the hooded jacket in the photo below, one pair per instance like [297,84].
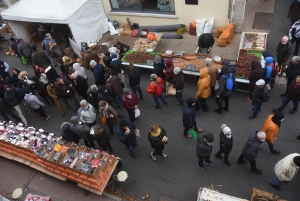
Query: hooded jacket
[292,71]
[178,82]
[114,85]
[129,103]
[202,148]
[294,11]
[81,86]
[79,70]
[129,139]
[203,84]
[260,95]
[169,71]
[33,101]
[293,93]
[256,74]
[284,52]
[46,45]
[87,115]
[271,129]
[225,143]
[250,151]
[285,169]
[40,58]
[134,76]
[155,88]
[68,135]
[115,63]
[188,115]
[156,141]
[82,130]
[213,72]
[12,98]
[99,74]
[51,73]
[268,68]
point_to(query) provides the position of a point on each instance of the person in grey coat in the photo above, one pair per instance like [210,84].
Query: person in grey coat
[204,149]
[260,95]
[283,53]
[36,104]
[83,131]
[25,50]
[250,151]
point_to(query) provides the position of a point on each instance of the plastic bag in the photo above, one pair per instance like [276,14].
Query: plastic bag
[137,112]
[208,26]
[23,60]
[200,26]
[217,85]
[193,133]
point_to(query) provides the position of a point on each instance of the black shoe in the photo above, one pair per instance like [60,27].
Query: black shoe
[286,182]
[298,138]
[292,111]
[227,163]
[242,162]
[218,111]
[251,117]
[120,116]
[133,155]
[282,95]
[225,109]
[276,152]
[219,156]
[63,114]
[165,103]
[157,107]
[276,110]
[257,171]
[276,187]
[206,110]
[54,104]
[50,105]
[253,109]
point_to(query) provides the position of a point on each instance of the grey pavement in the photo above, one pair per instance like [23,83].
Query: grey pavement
[178,176]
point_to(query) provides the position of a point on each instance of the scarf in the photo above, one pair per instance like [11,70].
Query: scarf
[156,134]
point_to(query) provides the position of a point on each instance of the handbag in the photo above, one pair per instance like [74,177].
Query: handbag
[103,119]
[137,112]
[137,133]
[171,90]
[193,133]
[23,60]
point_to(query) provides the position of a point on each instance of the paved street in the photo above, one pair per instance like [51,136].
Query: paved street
[178,176]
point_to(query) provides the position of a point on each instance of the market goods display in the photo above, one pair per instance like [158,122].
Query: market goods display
[259,42]
[138,57]
[244,64]
[144,44]
[183,63]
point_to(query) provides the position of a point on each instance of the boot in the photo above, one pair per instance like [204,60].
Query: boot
[257,171]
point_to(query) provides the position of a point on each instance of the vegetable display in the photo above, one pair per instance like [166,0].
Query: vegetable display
[139,57]
[244,64]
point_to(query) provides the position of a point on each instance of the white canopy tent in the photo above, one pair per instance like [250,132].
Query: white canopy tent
[86,18]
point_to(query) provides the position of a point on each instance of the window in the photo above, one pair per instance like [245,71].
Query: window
[150,6]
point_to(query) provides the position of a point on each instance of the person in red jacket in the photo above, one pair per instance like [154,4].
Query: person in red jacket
[130,101]
[155,88]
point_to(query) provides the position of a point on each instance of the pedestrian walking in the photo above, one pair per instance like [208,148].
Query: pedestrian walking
[103,94]
[90,55]
[52,91]
[14,78]
[81,85]
[213,72]
[155,87]
[294,36]
[134,76]
[25,50]
[250,150]
[87,113]
[92,95]
[40,58]
[159,66]
[126,134]
[115,63]
[257,73]
[204,149]
[130,101]
[36,104]
[98,72]
[292,71]
[51,73]
[102,139]
[285,169]
[157,137]
[107,112]
[189,117]
[4,111]
[270,128]
[64,90]
[283,53]
[203,89]
[169,73]
[178,84]
[294,11]
[83,131]
[260,95]
[41,90]
[79,70]
[113,85]
[67,134]
[226,142]
[4,69]
[46,46]
[269,79]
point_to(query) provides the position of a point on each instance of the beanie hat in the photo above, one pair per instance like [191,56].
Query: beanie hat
[107,53]
[153,76]
[209,137]
[94,88]
[190,101]
[278,116]
[296,160]
[123,123]
[156,58]
[27,91]
[126,90]
[260,82]
[113,56]
[225,129]
[106,76]
[177,70]
[93,63]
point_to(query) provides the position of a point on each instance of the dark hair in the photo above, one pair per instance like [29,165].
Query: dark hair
[34,48]
[15,70]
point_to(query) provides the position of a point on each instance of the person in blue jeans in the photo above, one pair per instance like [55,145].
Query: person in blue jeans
[155,88]
[134,76]
[126,134]
[285,169]
[178,84]
[293,94]
[260,95]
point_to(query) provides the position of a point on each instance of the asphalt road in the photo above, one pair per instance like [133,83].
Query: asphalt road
[178,176]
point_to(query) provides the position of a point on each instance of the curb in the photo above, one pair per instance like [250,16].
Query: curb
[112,197]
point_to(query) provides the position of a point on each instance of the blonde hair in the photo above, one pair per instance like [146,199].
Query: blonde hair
[153,128]
[223,126]
[102,103]
[97,129]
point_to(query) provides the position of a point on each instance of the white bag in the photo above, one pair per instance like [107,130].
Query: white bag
[208,26]
[217,85]
[269,86]
[137,112]
[200,26]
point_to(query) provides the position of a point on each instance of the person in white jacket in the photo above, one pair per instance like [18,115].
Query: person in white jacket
[79,70]
[36,104]
[87,113]
[285,169]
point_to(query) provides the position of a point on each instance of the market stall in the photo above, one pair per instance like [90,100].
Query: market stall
[90,168]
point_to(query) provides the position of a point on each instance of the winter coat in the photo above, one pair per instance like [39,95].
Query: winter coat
[285,169]
[114,85]
[206,40]
[169,73]
[102,138]
[63,88]
[3,105]
[102,95]
[129,139]
[293,93]
[256,74]
[24,49]
[92,98]
[116,63]
[46,45]
[33,101]
[269,68]
[134,76]
[89,57]
[51,73]
[40,58]
[69,135]
[202,148]
[188,115]
[203,84]
[270,129]
[213,72]
[178,82]
[129,103]
[82,130]
[106,61]
[88,115]
[260,95]
[294,11]
[250,150]
[159,68]
[81,86]
[156,142]
[110,122]
[223,91]
[52,92]
[99,74]
[14,79]
[226,69]
[155,87]
[292,71]
[56,52]
[294,32]
[225,143]
[284,52]
[12,98]
[79,70]
[22,75]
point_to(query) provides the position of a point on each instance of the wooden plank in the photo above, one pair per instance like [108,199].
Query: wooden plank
[39,168]
[90,189]
[6,155]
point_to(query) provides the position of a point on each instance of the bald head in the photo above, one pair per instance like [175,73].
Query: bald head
[261,136]
[284,39]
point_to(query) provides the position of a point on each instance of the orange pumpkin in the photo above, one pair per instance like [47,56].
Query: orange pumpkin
[151,36]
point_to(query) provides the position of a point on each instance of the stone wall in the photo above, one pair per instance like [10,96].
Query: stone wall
[238,15]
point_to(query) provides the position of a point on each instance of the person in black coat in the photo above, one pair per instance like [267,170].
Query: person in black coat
[257,73]
[206,40]
[92,95]
[226,143]
[204,149]
[102,139]
[259,96]
[159,67]
[292,71]
[115,62]
[107,59]
[4,110]
[98,72]
[134,76]
[283,53]
[67,134]
[178,84]
[126,135]
[51,73]
[81,85]
[157,137]
[103,94]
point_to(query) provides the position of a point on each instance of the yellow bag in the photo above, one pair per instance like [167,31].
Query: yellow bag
[57,147]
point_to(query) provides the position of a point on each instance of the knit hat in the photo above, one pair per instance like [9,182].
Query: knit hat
[123,123]
[27,91]
[93,63]
[106,76]
[260,82]
[225,129]
[278,116]
[126,90]
[296,160]
[156,58]
[177,70]
[153,76]
[209,137]
[190,101]
[94,88]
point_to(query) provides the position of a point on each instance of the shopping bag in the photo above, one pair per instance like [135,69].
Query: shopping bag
[103,119]
[217,85]
[23,60]
[137,112]
[171,90]
[269,86]
[193,133]
[137,133]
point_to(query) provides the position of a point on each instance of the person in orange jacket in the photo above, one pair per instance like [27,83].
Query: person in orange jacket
[204,89]
[155,88]
[270,127]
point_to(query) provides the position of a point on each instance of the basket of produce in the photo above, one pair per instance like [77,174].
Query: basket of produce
[144,45]
[183,63]
[137,57]
[168,54]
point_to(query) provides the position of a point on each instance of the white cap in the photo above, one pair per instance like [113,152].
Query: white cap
[260,82]
[226,130]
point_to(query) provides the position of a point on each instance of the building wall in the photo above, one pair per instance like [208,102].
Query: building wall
[184,14]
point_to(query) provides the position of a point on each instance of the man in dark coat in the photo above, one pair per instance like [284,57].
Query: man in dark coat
[113,84]
[83,131]
[98,72]
[81,85]
[115,63]
[40,58]
[292,71]
[67,134]
[4,110]
[103,94]
[126,134]
[256,74]
[107,59]
[250,151]
[134,76]
[204,149]
[51,73]
[294,11]
[189,117]
[92,95]
[206,40]
[283,53]
[64,90]
[260,95]
[226,142]
[178,84]
[159,69]
[24,50]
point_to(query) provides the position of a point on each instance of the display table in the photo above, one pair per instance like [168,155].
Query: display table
[205,194]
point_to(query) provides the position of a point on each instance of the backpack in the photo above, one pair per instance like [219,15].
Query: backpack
[229,82]
[58,52]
